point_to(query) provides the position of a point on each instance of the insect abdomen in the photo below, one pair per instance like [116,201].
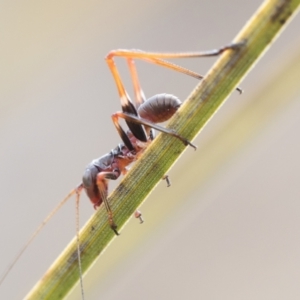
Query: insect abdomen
[159,108]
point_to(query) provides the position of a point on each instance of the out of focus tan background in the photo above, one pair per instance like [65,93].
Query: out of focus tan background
[228,228]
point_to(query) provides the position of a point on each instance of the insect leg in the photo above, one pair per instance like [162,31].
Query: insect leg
[123,134]
[159,58]
[127,107]
[145,122]
[102,178]
[139,94]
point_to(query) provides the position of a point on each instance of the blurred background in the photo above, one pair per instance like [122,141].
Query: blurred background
[227,228]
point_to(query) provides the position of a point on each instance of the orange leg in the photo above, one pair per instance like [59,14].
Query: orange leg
[102,178]
[129,109]
[139,94]
[159,59]
[139,120]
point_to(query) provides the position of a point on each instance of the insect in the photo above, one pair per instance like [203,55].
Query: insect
[141,117]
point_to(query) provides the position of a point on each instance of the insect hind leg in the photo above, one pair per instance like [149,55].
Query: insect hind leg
[139,94]
[158,58]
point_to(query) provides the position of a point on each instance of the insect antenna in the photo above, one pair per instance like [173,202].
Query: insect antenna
[41,226]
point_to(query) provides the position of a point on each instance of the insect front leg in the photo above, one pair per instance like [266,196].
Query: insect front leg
[102,185]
